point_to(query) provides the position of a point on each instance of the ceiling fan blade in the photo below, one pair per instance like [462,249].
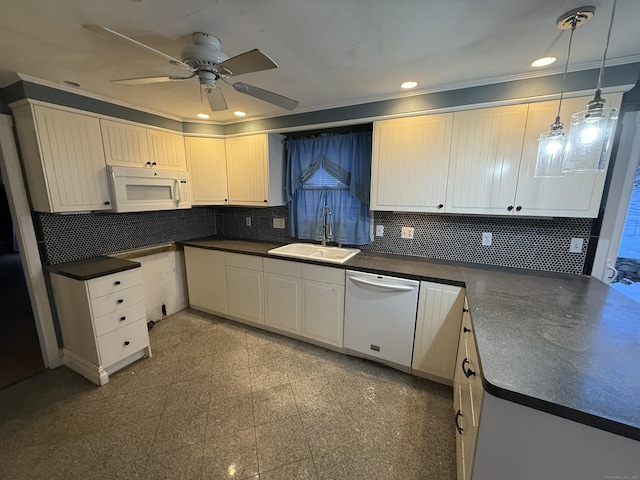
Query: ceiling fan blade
[247,62]
[144,80]
[266,95]
[216,99]
[118,36]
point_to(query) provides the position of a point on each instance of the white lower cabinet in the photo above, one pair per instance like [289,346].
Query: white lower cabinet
[437,330]
[323,304]
[207,280]
[245,290]
[102,322]
[283,298]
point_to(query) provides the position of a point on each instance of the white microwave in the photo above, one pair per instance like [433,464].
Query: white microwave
[136,189]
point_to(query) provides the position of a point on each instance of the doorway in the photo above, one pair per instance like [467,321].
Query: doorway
[627,280]
[20,353]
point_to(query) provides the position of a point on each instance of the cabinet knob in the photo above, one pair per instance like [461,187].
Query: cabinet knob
[126,343]
[120,300]
[510,207]
[458,427]
[148,163]
[122,319]
[468,372]
[465,310]
[107,202]
[153,163]
[518,208]
[466,330]
[266,201]
[117,282]
[440,205]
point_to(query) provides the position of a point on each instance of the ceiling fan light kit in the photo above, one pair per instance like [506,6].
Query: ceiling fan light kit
[585,147]
[205,60]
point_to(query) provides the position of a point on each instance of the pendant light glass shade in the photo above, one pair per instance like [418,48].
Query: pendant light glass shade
[551,146]
[590,138]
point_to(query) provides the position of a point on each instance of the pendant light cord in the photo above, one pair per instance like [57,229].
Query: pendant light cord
[604,57]
[574,24]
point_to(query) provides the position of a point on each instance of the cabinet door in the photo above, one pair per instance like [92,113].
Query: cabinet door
[323,312]
[573,194]
[247,170]
[68,172]
[245,294]
[410,163]
[166,150]
[207,166]
[485,158]
[206,279]
[125,144]
[283,299]
[437,329]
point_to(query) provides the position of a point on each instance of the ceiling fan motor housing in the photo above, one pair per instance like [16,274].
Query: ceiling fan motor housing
[204,54]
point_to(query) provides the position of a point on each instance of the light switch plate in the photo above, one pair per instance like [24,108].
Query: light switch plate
[576,245]
[487,238]
[406,232]
[278,223]
[379,230]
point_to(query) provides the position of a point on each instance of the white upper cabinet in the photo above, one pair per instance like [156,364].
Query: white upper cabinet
[255,170]
[130,145]
[63,159]
[485,159]
[410,163]
[207,167]
[572,195]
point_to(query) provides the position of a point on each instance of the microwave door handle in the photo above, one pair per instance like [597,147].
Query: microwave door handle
[176,193]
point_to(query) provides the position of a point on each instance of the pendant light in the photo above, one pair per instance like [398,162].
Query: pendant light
[591,132]
[552,144]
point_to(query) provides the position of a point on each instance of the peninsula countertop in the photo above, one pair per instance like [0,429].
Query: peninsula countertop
[564,344]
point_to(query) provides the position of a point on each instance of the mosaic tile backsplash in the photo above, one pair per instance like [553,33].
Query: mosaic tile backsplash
[531,243]
[76,236]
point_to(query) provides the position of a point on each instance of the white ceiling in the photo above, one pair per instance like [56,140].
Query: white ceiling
[329,52]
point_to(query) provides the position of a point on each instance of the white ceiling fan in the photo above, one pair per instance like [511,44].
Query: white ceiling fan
[205,60]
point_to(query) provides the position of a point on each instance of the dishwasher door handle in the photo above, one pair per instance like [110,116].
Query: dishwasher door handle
[386,286]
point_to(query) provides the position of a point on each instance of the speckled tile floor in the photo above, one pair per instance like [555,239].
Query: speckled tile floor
[222,400]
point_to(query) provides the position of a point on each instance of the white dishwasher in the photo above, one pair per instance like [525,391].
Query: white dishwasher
[380,317]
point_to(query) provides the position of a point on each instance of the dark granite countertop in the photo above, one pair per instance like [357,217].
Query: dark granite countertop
[565,344]
[89,268]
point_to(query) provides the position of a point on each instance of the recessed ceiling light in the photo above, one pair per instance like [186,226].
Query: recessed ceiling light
[202,115]
[541,62]
[409,84]
[240,114]
[68,83]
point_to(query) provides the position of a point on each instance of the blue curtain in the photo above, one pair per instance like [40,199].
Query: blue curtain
[347,160]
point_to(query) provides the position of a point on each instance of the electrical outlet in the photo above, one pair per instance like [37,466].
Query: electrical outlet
[576,245]
[407,232]
[487,238]
[379,230]
[247,221]
[278,223]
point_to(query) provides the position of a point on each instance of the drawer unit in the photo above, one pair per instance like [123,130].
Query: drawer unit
[102,321]
[250,262]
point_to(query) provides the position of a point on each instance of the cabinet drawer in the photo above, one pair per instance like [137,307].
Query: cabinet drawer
[125,341]
[114,283]
[115,301]
[119,318]
[250,262]
[281,267]
[323,274]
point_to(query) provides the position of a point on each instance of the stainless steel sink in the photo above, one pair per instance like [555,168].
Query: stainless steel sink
[315,252]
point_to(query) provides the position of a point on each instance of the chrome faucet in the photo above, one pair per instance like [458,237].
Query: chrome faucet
[327,228]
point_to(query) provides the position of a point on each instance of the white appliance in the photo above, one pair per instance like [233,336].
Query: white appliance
[380,317]
[135,189]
